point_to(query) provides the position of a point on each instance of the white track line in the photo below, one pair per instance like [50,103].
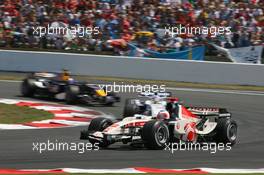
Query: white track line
[237,92]
[11,81]
[219,91]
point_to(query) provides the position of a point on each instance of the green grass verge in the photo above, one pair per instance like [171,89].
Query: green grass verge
[12,114]
[21,76]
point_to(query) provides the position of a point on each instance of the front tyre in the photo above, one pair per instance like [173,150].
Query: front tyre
[99,124]
[155,134]
[27,88]
[226,131]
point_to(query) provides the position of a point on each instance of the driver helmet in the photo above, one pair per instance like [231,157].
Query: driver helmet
[71,80]
[172,105]
[163,115]
[65,75]
[156,99]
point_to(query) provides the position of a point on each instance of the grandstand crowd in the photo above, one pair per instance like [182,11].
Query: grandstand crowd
[123,18]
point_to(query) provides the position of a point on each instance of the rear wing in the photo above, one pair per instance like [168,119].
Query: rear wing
[160,95]
[42,75]
[208,111]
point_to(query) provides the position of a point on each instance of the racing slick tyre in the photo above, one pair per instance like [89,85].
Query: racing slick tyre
[99,124]
[226,131]
[155,134]
[27,88]
[72,92]
[131,108]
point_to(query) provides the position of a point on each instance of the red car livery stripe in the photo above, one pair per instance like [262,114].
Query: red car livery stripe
[135,124]
[187,114]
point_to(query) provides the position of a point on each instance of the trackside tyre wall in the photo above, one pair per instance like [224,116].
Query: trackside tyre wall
[99,124]
[72,92]
[130,108]
[226,131]
[27,88]
[155,134]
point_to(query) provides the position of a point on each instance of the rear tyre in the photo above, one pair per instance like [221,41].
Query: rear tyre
[226,131]
[99,124]
[27,88]
[155,134]
[131,108]
[72,94]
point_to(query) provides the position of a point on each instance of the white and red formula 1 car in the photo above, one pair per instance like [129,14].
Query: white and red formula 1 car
[173,122]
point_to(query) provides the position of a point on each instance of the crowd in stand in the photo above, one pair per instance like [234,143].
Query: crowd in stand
[123,18]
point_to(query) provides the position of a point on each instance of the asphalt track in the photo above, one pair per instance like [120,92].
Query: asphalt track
[16,146]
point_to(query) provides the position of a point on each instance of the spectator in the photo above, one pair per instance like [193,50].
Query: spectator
[121,18]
